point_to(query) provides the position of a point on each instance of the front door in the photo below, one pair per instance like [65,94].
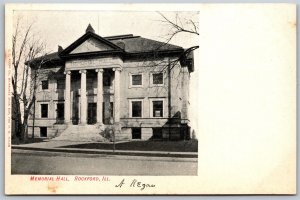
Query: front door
[92,113]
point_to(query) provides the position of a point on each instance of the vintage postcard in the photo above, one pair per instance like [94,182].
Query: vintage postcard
[153,99]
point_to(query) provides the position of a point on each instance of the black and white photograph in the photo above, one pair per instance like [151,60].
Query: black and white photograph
[111,89]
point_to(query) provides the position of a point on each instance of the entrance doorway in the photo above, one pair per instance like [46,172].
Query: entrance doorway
[92,113]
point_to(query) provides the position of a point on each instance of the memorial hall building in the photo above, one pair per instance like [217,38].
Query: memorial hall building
[134,87]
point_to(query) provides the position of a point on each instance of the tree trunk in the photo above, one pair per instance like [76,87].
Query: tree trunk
[24,133]
[18,118]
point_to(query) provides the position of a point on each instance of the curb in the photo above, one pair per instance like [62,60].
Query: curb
[110,152]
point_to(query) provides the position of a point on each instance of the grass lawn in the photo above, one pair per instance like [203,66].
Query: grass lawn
[29,141]
[171,146]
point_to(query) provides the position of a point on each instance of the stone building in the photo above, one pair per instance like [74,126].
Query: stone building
[137,87]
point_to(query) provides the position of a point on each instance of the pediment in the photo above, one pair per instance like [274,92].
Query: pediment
[91,45]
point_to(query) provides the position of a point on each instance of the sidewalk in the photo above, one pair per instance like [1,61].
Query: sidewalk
[57,146]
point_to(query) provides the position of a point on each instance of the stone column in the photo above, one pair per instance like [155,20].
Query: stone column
[83,99]
[68,98]
[117,95]
[99,96]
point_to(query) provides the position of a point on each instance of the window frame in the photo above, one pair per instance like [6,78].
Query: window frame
[57,117]
[151,79]
[47,84]
[130,80]
[46,128]
[130,107]
[140,133]
[151,107]
[41,105]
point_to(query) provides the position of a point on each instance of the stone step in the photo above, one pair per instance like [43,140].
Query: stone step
[82,133]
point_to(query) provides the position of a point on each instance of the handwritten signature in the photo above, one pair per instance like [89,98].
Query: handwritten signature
[135,183]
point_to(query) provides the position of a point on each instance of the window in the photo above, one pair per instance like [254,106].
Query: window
[136,108]
[157,108]
[136,133]
[108,112]
[157,133]
[44,110]
[60,111]
[60,84]
[158,79]
[136,80]
[43,131]
[45,85]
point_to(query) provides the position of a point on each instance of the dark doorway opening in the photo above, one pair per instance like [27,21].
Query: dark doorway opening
[136,133]
[92,113]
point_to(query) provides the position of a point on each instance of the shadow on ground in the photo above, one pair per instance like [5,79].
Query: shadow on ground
[29,141]
[169,146]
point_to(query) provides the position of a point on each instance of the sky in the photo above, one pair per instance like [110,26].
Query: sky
[64,27]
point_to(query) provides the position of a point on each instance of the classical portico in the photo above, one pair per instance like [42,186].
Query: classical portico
[91,56]
[98,95]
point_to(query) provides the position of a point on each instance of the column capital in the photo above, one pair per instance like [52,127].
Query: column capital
[117,69]
[82,71]
[99,70]
[67,72]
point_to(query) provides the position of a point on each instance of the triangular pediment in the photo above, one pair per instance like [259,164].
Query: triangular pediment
[91,45]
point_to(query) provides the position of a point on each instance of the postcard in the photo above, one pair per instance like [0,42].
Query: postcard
[150,99]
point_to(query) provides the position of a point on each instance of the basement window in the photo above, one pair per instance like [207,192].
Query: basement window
[43,131]
[136,133]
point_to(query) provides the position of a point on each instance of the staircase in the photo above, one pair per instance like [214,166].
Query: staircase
[81,133]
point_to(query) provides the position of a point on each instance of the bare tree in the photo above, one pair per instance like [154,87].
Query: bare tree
[25,47]
[179,25]
[175,26]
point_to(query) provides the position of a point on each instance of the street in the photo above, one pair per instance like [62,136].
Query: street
[58,163]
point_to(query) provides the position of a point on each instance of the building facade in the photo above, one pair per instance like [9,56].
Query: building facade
[137,87]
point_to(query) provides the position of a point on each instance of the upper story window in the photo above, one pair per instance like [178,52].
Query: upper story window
[136,80]
[61,84]
[157,79]
[44,110]
[45,85]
